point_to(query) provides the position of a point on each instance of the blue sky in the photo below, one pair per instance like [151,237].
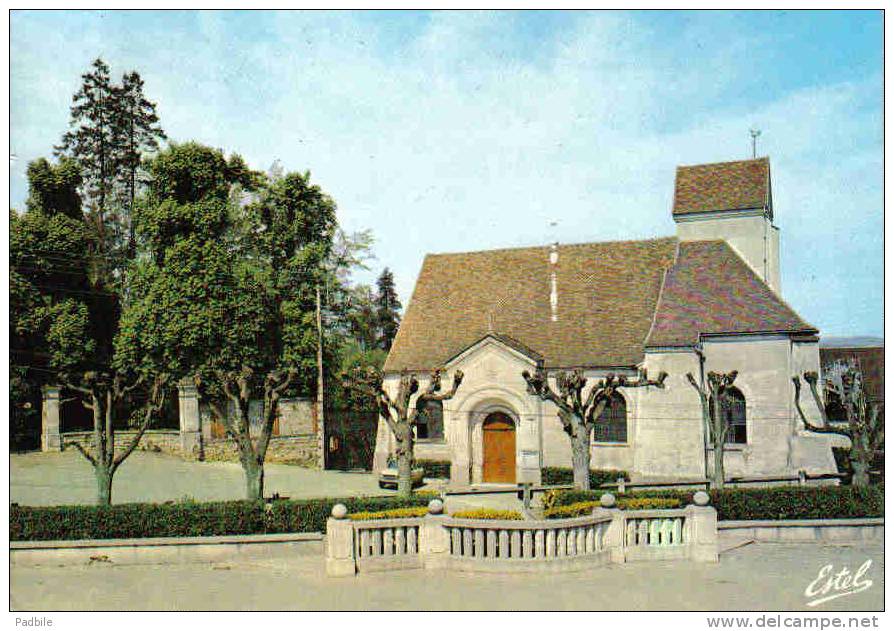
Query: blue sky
[458,131]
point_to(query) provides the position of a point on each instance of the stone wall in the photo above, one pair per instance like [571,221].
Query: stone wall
[293,450]
[157,440]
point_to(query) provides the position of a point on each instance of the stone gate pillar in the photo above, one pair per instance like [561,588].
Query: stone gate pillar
[50,420]
[190,423]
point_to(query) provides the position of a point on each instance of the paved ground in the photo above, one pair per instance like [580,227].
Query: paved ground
[67,478]
[46,479]
[765,577]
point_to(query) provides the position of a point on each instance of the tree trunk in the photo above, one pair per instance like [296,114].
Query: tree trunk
[718,435]
[103,485]
[580,459]
[254,480]
[861,471]
[405,463]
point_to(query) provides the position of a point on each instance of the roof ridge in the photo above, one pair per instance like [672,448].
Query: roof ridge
[561,245]
[724,162]
[658,301]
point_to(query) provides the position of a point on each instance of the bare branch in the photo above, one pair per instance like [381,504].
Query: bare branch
[83,451]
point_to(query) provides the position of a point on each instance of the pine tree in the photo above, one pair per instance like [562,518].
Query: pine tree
[387,309]
[111,127]
[137,131]
[92,143]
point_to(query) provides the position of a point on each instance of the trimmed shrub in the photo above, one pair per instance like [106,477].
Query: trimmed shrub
[779,502]
[487,513]
[578,509]
[562,475]
[188,519]
[435,468]
[394,513]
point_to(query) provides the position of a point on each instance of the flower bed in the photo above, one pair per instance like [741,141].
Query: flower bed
[579,509]
[394,513]
[487,513]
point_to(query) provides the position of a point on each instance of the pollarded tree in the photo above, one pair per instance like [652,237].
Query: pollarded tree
[864,425]
[240,387]
[715,400]
[579,414]
[103,394]
[402,410]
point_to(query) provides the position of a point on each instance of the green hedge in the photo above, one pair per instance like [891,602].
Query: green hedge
[779,502]
[562,475]
[435,468]
[188,519]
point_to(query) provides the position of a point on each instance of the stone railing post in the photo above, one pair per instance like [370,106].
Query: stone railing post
[614,536]
[434,538]
[190,423]
[703,541]
[340,543]
[50,420]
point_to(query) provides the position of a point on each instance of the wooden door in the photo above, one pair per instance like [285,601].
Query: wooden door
[499,449]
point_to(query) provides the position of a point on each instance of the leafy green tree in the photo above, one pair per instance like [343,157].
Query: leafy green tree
[295,226]
[209,303]
[388,308]
[56,310]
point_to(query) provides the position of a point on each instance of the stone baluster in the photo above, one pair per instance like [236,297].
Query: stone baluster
[504,544]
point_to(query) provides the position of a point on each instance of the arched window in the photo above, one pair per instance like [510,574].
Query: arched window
[733,411]
[611,426]
[430,421]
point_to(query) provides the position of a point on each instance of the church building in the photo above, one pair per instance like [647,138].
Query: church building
[707,299]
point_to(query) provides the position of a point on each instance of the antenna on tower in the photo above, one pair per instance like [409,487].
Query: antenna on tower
[754,135]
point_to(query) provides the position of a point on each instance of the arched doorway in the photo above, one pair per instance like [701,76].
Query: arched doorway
[498,437]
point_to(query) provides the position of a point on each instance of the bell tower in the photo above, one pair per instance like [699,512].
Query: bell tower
[732,201]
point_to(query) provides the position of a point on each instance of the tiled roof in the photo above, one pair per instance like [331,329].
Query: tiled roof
[722,186]
[711,290]
[606,300]
[609,307]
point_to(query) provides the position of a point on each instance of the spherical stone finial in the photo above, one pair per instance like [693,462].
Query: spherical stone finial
[607,500]
[435,507]
[701,498]
[339,511]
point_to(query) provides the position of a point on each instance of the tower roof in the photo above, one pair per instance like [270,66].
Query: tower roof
[740,185]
